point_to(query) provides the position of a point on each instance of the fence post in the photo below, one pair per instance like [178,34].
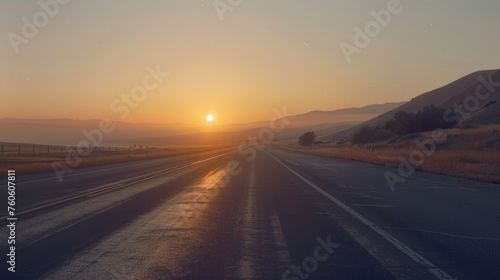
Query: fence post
[19,151]
[33,150]
[48,149]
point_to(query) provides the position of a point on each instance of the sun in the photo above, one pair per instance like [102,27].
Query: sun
[209,118]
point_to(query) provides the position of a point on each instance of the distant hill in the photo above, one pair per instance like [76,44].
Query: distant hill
[236,137]
[69,131]
[344,115]
[321,122]
[333,117]
[370,109]
[444,97]
[488,114]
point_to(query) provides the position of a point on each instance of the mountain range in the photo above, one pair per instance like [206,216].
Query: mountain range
[477,97]
[69,132]
[475,94]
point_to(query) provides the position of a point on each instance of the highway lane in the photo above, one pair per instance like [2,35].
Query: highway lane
[49,188]
[283,215]
[69,221]
[453,224]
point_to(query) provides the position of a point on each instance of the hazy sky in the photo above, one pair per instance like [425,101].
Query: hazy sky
[263,55]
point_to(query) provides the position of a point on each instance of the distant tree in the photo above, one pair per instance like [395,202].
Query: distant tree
[362,136]
[369,134]
[430,118]
[402,123]
[380,134]
[307,138]
[427,119]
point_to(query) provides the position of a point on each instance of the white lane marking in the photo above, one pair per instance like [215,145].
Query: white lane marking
[374,205]
[376,198]
[447,234]
[279,238]
[100,170]
[247,262]
[293,162]
[252,232]
[455,188]
[425,180]
[82,173]
[438,273]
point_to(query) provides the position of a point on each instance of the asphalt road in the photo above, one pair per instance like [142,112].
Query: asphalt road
[283,215]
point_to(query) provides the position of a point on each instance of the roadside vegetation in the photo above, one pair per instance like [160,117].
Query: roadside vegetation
[466,152]
[427,119]
[307,138]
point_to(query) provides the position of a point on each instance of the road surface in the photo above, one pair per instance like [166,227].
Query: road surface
[282,215]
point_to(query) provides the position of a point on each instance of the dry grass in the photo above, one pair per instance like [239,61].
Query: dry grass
[472,153]
[30,165]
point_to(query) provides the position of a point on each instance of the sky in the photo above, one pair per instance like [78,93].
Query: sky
[238,61]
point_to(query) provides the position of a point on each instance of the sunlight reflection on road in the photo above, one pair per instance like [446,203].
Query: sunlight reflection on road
[183,223]
[190,205]
[158,244]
